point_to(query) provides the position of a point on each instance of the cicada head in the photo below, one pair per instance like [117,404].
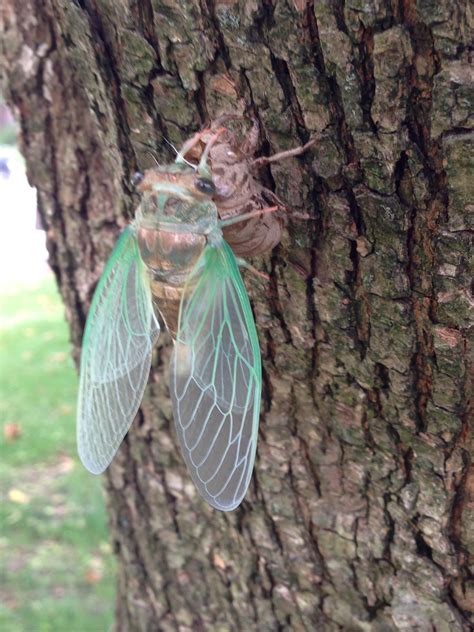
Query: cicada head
[179,195]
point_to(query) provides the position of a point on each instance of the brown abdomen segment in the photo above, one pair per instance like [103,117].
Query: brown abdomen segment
[167,299]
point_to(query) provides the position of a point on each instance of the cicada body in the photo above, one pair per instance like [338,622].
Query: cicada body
[173,256]
[238,189]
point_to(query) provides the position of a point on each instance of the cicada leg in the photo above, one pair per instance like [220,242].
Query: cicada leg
[245,264]
[297,151]
[282,206]
[205,154]
[245,216]
[194,140]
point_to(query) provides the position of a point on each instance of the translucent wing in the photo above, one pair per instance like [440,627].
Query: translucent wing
[116,354]
[216,380]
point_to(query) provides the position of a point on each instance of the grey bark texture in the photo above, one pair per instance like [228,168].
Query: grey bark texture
[359,512]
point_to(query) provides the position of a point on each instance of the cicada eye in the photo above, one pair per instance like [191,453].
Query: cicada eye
[137,178]
[205,186]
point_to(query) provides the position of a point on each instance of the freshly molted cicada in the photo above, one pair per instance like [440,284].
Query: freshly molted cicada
[173,257]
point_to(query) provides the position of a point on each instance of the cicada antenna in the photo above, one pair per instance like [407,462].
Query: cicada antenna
[179,154]
[205,154]
[154,158]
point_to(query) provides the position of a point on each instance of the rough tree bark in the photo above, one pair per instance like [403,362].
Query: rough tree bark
[358,512]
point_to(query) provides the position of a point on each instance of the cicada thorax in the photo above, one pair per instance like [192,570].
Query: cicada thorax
[171,224]
[238,191]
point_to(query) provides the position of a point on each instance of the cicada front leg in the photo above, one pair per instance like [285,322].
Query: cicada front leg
[191,144]
[245,216]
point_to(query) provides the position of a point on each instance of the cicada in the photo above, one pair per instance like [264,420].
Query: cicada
[173,257]
[238,188]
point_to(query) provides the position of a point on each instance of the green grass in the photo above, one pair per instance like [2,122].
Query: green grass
[56,568]
[9,134]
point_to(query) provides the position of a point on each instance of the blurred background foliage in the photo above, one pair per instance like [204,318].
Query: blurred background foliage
[56,566]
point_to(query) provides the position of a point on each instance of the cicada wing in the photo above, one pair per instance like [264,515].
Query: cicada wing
[116,355]
[216,380]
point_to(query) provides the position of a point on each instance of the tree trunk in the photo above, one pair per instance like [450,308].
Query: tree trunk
[358,513]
